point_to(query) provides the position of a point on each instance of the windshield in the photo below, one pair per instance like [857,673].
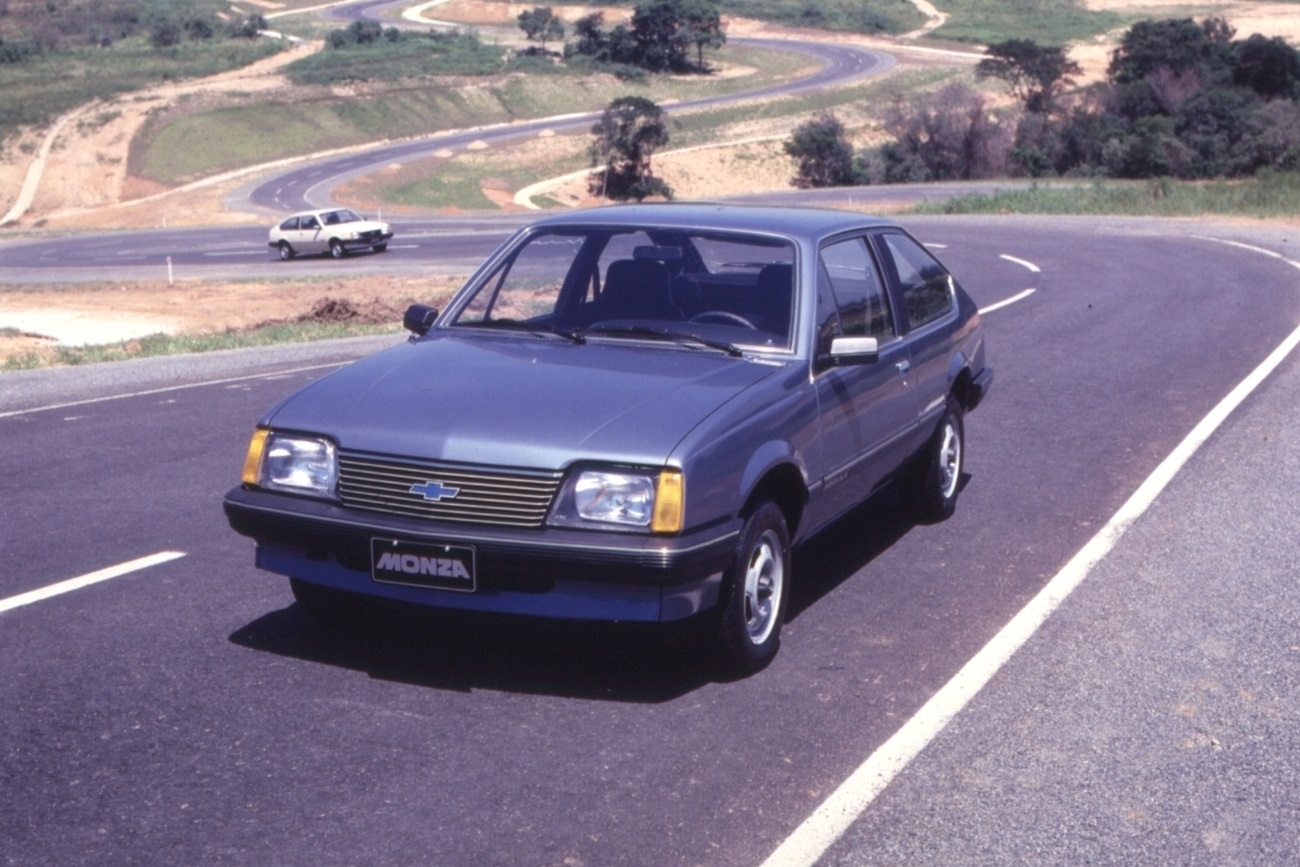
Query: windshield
[340,216]
[618,282]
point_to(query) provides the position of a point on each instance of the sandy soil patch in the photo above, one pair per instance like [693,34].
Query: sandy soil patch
[40,319]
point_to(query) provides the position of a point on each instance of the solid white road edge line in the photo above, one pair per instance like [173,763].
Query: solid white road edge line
[86,580]
[168,388]
[829,821]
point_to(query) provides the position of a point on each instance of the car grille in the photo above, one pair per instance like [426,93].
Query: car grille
[510,498]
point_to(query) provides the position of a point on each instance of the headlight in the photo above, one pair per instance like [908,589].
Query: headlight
[627,499]
[291,462]
[618,498]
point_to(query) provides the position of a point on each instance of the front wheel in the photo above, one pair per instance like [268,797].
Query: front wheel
[379,248]
[757,590]
[938,479]
[336,249]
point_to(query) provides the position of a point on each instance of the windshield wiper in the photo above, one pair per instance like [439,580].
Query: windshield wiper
[681,338]
[570,334]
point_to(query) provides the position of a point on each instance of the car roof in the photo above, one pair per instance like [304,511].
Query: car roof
[794,221]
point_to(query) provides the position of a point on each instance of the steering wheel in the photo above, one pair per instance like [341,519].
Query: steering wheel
[726,316]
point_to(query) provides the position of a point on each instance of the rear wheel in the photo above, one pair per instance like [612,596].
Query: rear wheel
[938,479]
[758,585]
[285,251]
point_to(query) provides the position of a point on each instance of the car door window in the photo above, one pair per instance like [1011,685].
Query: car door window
[309,223]
[925,284]
[859,298]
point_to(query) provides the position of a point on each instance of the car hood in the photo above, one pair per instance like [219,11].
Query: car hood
[520,401]
[363,226]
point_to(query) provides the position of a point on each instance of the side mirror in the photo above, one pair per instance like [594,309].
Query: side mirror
[853,350]
[419,319]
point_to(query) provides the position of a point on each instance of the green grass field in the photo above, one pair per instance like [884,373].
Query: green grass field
[1270,195]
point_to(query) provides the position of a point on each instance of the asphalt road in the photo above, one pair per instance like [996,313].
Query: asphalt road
[187,712]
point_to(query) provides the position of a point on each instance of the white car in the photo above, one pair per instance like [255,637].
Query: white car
[336,231]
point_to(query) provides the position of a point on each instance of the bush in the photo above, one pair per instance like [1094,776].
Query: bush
[950,136]
[823,152]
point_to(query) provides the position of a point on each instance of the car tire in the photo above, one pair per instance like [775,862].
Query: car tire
[757,591]
[326,606]
[336,248]
[937,481]
[285,251]
[379,248]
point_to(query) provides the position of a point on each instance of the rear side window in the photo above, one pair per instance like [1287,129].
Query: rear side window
[926,286]
[289,225]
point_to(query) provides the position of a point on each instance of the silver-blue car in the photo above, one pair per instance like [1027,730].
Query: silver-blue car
[627,414]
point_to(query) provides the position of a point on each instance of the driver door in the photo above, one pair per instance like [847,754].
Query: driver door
[868,409]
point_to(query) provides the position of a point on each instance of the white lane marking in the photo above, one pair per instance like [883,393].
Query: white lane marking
[86,580]
[829,821]
[1022,263]
[1012,300]
[164,390]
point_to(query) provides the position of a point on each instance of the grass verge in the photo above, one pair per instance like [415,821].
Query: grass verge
[1271,195]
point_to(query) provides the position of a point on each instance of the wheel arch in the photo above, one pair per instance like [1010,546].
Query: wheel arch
[782,484]
[961,380]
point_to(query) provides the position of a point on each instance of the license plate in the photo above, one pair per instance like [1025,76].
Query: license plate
[415,564]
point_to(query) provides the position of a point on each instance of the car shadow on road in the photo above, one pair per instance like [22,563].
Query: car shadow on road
[625,662]
[848,545]
[464,651]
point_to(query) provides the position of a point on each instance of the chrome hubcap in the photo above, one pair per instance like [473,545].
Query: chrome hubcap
[949,461]
[764,584]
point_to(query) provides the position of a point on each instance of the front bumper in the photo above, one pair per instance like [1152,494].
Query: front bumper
[367,239]
[545,572]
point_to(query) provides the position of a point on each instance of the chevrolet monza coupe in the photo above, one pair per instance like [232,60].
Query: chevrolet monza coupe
[628,413]
[337,231]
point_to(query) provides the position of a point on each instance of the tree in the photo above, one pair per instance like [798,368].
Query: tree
[949,136]
[1178,44]
[628,133]
[701,26]
[656,28]
[1035,74]
[1270,67]
[541,25]
[824,154]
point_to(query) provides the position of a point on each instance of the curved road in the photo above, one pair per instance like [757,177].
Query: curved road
[310,186]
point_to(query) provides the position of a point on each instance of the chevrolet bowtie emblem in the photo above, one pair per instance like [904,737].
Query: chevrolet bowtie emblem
[435,491]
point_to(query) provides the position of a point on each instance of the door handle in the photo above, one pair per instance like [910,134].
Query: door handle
[904,368]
